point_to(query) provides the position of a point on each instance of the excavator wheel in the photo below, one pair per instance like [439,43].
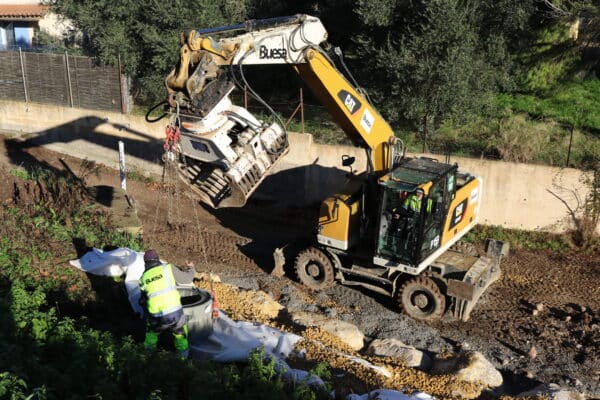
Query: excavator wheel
[421,298]
[314,269]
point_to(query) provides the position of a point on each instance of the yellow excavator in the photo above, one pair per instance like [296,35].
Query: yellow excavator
[393,229]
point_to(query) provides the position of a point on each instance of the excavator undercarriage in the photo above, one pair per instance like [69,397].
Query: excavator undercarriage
[450,287]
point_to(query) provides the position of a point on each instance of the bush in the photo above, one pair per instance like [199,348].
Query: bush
[520,239]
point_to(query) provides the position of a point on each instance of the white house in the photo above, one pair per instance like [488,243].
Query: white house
[20,20]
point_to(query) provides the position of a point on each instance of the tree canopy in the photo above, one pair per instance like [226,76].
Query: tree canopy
[442,59]
[144,34]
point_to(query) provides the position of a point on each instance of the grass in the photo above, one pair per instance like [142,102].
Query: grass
[552,58]
[20,173]
[529,240]
[136,175]
[572,103]
[515,137]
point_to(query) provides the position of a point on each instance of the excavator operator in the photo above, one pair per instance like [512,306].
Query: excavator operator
[405,218]
[410,205]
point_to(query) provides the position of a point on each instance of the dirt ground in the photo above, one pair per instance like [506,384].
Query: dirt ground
[539,323]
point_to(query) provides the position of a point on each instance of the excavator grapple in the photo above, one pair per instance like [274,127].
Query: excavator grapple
[224,152]
[225,156]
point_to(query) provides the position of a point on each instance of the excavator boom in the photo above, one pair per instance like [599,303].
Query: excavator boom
[225,151]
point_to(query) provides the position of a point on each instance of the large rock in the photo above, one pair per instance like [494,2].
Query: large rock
[552,392]
[345,331]
[207,276]
[264,303]
[470,367]
[409,355]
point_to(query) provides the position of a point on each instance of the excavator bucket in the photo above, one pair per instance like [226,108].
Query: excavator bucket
[480,275]
[225,155]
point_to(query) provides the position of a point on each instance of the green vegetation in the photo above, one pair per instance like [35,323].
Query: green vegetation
[68,335]
[551,58]
[573,103]
[137,175]
[519,239]
[144,35]
[532,240]
[519,138]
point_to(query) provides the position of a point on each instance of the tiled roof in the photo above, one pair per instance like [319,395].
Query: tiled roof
[18,11]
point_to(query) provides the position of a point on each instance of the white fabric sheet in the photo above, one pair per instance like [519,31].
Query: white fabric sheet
[385,394]
[234,340]
[115,263]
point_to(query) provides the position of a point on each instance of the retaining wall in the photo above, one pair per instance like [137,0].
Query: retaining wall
[524,196]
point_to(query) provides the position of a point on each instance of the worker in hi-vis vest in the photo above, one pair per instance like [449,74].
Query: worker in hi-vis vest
[413,201]
[162,304]
[411,204]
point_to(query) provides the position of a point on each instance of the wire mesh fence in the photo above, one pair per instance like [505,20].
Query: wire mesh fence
[61,79]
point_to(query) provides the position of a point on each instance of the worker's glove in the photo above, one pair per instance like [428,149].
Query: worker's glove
[140,315]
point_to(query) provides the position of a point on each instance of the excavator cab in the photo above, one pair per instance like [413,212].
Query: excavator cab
[414,204]
[399,225]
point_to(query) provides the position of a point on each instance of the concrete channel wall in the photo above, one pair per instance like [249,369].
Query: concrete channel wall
[523,196]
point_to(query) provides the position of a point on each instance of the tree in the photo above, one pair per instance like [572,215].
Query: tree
[585,12]
[432,60]
[144,34]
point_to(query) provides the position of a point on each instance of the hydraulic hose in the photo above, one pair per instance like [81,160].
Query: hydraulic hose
[147,117]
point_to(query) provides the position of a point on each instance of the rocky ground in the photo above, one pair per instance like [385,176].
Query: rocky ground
[540,323]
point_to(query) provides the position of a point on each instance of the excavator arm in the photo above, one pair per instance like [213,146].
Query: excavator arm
[225,152]
[364,126]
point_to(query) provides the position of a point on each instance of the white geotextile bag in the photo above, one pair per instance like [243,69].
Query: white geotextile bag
[234,340]
[386,394]
[115,263]
[106,263]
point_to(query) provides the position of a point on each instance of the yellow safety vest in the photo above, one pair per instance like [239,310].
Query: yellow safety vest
[160,287]
[412,203]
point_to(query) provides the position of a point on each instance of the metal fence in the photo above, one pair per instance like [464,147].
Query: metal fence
[61,79]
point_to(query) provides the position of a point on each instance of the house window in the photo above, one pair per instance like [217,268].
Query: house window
[15,34]
[7,36]
[23,36]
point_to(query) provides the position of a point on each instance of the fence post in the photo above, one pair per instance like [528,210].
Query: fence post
[23,75]
[122,171]
[123,111]
[570,143]
[69,78]
[302,109]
